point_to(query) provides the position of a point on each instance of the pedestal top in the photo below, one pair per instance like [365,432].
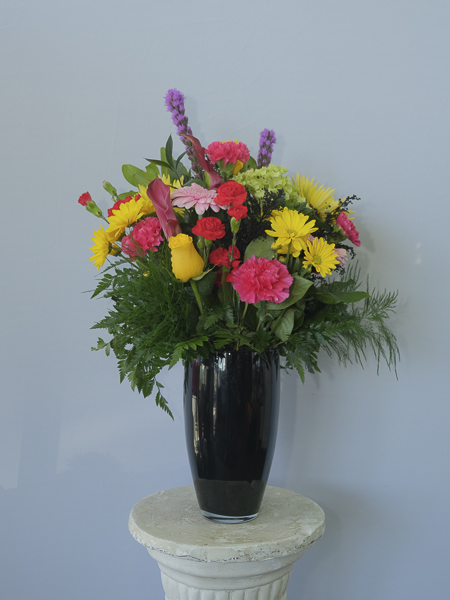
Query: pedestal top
[171,522]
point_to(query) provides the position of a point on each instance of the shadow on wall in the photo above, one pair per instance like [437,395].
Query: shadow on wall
[67,536]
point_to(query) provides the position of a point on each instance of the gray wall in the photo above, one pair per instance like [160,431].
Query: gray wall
[358,94]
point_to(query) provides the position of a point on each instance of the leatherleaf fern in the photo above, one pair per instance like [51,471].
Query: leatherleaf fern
[348,330]
[151,314]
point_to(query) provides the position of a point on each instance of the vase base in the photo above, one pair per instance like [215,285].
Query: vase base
[229,520]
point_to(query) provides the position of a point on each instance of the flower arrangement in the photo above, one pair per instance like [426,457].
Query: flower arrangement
[230,253]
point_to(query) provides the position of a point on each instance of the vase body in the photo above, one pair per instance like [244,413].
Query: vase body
[231,406]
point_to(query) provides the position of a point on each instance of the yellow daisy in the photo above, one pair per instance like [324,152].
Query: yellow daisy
[147,204]
[321,256]
[291,229]
[175,184]
[321,199]
[102,247]
[127,214]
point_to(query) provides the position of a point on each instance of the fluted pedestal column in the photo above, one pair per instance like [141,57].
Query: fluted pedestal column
[202,560]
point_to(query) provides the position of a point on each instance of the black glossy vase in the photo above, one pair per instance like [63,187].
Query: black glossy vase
[231,405]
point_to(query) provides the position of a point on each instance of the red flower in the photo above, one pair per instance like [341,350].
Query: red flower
[85,198]
[117,204]
[231,192]
[238,212]
[211,228]
[221,257]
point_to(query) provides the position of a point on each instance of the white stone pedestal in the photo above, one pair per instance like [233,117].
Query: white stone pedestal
[202,560]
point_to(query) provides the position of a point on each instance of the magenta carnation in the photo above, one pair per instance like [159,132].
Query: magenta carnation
[262,279]
[229,152]
[348,228]
[146,235]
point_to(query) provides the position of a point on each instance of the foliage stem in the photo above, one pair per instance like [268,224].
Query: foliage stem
[197,295]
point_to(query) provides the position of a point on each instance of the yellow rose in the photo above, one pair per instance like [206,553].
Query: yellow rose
[186,261]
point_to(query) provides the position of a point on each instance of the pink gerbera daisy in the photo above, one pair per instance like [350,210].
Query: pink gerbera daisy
[195,196]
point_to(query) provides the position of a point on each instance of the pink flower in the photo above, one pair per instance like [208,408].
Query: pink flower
[341,254]
[262,279]
[348,228]
[195,196]
[228,152]
[85,198]
[146,235]
[159,193]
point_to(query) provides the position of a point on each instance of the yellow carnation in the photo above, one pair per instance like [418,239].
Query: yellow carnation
[186,261]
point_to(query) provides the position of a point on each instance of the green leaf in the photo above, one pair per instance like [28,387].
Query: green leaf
[337,297]
[261,247]
[153,169]
[103,285]
[164,170]
[169,149]
[100,345]
[250,164]
[160,163]
[299,368]
[298,289]
[206,284]
[176,356]
[177,162]
[126,194]
[162,403]
[285,325]
[137,176]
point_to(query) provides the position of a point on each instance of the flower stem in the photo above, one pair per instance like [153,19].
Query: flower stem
[197,295]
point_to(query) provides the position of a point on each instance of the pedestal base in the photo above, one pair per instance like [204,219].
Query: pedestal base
[202,560]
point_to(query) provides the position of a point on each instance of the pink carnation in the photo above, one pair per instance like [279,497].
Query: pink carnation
[228,152]
[196,196]
[348,228]
[146,235]
[341,255]
[262,279]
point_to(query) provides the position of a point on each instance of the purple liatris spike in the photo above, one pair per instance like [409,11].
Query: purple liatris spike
[175,105]
[266,143]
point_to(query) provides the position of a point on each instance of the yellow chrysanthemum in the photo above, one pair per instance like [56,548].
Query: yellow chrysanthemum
[321,199]
[124,216]
[102,247]
[291,229]
[147,204]
[174,185]
[321,256]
